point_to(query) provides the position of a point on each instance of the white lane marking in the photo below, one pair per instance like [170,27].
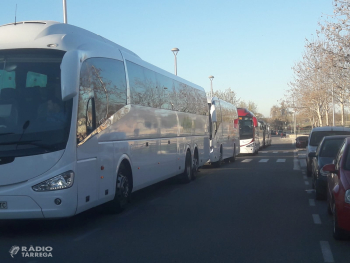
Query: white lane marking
[246,160]
[274,152]
[262,151]
[281,161]
[312,202]
[310,191]
[326,251]
[87,234]
[306,183]
[317,219]
[303,172]
[296,165]
[263,161]
[285,152]
[305,177]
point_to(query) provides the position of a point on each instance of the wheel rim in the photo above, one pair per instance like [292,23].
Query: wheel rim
[123,188]
[188,169]
[195,164]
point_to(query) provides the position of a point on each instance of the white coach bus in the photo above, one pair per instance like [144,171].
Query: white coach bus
[84,121]
[224,131]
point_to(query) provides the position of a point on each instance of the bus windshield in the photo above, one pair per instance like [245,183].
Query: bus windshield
[246,128]
[33,117]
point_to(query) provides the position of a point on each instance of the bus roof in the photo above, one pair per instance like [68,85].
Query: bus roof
[66,37]
[245,112]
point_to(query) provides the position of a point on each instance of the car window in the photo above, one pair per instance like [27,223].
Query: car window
[317,136]
[330,148]
[340,154]
[347,161]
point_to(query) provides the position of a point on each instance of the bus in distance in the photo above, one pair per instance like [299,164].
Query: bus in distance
[84,121]
[248,132]
[224,131]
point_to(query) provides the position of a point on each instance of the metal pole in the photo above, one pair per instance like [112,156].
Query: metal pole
[295,123]
[211,85]
[175,65]
[333,102]
[64,12]
[175,50]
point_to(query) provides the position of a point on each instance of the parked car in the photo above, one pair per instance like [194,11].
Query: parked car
[283,134]
[301,141]
[325,154]
[279,132]
[316,136]
[338,193]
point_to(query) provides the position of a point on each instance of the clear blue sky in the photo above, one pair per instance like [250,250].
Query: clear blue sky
[249,46]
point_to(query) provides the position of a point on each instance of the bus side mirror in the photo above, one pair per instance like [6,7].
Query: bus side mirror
[70,74]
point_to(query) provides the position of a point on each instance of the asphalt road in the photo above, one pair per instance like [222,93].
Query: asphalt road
[256,209]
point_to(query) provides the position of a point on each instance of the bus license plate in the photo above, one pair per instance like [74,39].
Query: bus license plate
[3,205]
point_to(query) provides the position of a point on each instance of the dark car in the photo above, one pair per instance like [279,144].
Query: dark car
[325,154]
[301,141]
[338,193]
[316,136]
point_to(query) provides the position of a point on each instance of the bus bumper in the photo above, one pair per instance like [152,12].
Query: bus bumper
[19,207]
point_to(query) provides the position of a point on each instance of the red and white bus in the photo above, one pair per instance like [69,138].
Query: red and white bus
[248,131]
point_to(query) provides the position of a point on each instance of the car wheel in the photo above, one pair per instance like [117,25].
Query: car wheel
[338,233]
[308,170]
[329,207]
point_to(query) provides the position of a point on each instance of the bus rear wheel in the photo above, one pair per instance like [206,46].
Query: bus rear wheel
[186,176]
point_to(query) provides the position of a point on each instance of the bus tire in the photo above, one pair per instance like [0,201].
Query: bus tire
[233,158]
[122,190]
[195,164]
[186,176]
[218,163]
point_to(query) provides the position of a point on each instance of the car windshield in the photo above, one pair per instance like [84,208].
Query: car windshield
[317,136]
[330,148]
[303,139]
[246,128]
[33,117]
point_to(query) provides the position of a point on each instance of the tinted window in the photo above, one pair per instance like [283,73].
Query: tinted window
[330,148]
[347,161]
[317,136]
[138,89]
[30,96]
[246,128]
[164,89]
[102,80]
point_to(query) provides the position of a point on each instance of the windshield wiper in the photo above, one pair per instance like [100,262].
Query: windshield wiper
[6,133]
[43,146]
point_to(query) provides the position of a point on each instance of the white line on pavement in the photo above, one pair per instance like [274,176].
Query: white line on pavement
[305,177]
[274,152]
[312,202]
[296,165]
[306,183]
[285,152]
[87,234]
[262,151]
[281,160]
[246,160]
[326,251]
[310,191]
[263,161]
[317,219]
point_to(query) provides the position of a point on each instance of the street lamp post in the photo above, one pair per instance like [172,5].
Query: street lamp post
[175,50]
[211,85]
[64,11]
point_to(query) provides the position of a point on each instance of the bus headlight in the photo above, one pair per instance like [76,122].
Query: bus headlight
[62,181]
[347,196]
